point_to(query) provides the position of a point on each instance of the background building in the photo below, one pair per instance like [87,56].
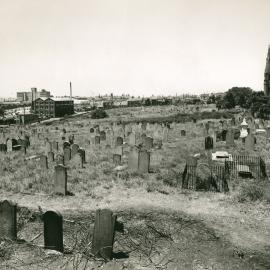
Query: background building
[32,95]
[53,107]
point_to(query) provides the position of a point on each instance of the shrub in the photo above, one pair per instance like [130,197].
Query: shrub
[250,192]
[99,114]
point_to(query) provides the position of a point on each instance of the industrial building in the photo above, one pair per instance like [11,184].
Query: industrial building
[53,107]
[32,95]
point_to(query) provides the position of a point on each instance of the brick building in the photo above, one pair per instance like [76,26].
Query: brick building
[53,107]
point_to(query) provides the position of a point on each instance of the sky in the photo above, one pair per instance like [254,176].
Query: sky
[136,47]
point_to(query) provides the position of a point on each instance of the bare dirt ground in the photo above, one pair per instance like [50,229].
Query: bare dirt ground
[165,227]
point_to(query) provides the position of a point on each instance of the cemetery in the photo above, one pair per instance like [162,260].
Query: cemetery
[135,192]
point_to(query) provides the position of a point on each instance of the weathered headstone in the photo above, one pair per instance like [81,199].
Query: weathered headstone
[81,152]
[60,183]
[144,161]
[149,143]
[43,162]
[97,139]
[119,141]
[53,231]
[55,145]
[67,155]
[60,159]
[51,156]
[103,235]
[74,149]
[133,159]
[249,142]
[8,220]
[230,138]
[117,159]
[183,132]
[102,135]
[3,147]
[209,143]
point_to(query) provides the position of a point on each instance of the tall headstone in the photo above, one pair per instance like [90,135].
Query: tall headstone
[53,231]
[103,235]
[8,220]
[55,145]
[117,159]
[209,143]
[230,138]
[149,143]
[43,162]
[119,141]
[133,159]
[250,143]
[67,155]
[144,161]
[51,156]
[60,182]
[97,140]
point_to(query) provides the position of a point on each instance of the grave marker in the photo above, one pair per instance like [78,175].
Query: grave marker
[103,235]
[8,220]
[60,183]
[53,231]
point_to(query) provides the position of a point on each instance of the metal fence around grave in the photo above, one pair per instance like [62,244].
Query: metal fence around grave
[246,166]
[217,180]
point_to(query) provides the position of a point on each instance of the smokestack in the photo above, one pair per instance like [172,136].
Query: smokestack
[267,74]
[70,90]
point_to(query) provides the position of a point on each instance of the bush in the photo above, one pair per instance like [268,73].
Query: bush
[99,114]
[250,192]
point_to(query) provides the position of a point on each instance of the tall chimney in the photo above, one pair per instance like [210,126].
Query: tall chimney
[267,74]
[70,90]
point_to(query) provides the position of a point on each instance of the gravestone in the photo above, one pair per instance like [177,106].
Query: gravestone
[119,141]
[43,162]
[92,130]
[149,143]
[133,159]
[48,147]
[53,231]
[66,144]
[8,220]
[81,152]
[144,161]
[60,159]
[67,155]
[183,132]
[230,138]
[97,140]
[55,146]
[117,159]
[249,142]
[209,143]
[102,135]
[132,139]
[77,161]
[74,149]
[51,156]
[60,182]
[119,150]
[71,139]
[3,147]
[9,145]
[103,235]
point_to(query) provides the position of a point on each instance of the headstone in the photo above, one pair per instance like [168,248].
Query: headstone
[97,140]
[60,159]
[48,147]
[183,132]
[74,149]
[81,152]
[119,141]
[132,139]
[149,143]
[71,139]
[102,135]
[67,155]
[43,162]
[144,161]
[55,146]
[51,156]
[249,142]
[60,183]
[230,138]
[66,144]
[78,161]
[8,220]
[3,147]
[53,231]
[92,130]
[133,159]
[117,159]
[103,235]
[209,143]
